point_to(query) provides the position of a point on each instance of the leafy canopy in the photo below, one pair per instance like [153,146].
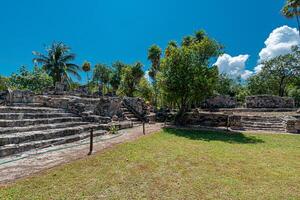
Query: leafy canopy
[57,63]
[186,76]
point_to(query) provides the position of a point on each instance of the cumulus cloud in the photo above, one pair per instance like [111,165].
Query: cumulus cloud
[234,67]
[279,42]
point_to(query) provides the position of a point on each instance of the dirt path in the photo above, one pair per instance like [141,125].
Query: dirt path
[16,168]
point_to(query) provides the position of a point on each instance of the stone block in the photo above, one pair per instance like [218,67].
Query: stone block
[265,101]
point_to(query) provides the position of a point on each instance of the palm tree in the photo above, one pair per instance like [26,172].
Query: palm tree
[86,67]
[154,54]
[102,76]
[171,45]
[292,9]
[57,63]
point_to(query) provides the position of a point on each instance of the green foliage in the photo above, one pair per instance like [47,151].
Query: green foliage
[4,83]
[86,67]
[130,78]
[116,76]
[145,90]
[57,63]
[113,129]
[185,74]
[154,54]
[276,75]
[102,75]
[292,9]
[172,44]
[227,86]
[36,80]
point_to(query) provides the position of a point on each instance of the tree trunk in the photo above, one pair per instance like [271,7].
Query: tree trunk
[180,115]
[281,87]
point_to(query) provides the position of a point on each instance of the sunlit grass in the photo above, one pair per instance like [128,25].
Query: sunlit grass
[176,164]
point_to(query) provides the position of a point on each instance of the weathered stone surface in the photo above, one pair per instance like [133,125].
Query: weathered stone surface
[234,121]
[137,104]
[19,96]
[264,101]
[109,106]
[60,87]
[292,124]
[205,118]
[3,96]
[220,102]
[165,115]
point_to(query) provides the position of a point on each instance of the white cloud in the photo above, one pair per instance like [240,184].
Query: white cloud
[279,42]
[234,67]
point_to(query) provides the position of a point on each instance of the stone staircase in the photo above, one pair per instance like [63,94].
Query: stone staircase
[28,126]
[263,123]
[130,116]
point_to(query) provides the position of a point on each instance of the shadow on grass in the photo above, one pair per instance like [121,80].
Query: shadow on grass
[230,137]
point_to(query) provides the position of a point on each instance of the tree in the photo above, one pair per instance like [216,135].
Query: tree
[37,80]
[101,75]
[116,76]
[227,86]
[172,44]
[291,9]
[144,90]
[187,40]
[186,77]
[131,76]
[4,82]
[154,54]
[86,67]
[276,74]
[57,63]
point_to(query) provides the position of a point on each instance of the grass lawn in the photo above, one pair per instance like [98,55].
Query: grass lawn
[176,164]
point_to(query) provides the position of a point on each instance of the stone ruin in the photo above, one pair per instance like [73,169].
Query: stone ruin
[263,113]
[29,120]
[265,101]
[220,102]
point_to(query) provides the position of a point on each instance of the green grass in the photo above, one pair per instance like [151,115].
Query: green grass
[176,164]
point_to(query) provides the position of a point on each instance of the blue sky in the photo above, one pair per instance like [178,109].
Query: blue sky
[106,31]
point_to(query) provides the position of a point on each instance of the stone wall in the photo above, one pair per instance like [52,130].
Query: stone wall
[220,102]
[205,119]
[264,101]
[292,124]
[137,104]
[16,96]
[109,106]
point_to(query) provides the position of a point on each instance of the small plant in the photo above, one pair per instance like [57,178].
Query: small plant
[113,129]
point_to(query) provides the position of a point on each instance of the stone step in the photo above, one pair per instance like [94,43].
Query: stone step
[263,129]
[8,130]
[20,116]
[27,109]
[266,124]
[17,138]
[133,119]
[129,115]
[19,148]
[27,105]
[262,119]
[28,122]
